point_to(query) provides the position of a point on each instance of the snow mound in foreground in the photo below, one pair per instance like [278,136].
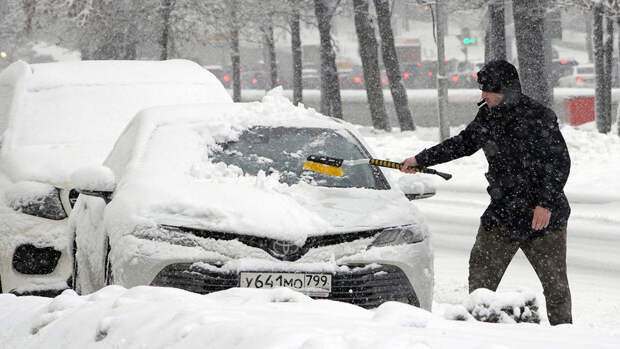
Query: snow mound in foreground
[160,317]
[488,306]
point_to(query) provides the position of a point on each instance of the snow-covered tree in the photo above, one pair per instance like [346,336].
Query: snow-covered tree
[534,58]
[331,103]
[392,68]
[367,43]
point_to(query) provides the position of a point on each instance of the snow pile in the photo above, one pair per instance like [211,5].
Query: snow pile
[497,307]
[154,317]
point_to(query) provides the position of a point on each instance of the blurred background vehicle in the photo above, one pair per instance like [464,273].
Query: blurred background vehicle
[581,76]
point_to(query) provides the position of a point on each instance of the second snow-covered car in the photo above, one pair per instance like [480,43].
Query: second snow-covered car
[54,119]
[209,197]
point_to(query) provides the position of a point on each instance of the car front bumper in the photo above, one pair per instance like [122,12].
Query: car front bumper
[360,275]
[24,241]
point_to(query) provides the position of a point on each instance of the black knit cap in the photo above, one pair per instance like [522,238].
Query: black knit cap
[499,76]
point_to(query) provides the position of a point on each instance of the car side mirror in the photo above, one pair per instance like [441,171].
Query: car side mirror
[415,187]
[97,180]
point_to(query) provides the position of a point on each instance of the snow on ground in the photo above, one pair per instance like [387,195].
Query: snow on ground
[145,317]
[115,317]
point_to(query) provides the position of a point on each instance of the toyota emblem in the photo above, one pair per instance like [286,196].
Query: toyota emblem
[284,249]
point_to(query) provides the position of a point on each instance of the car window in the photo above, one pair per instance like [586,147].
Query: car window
[285,149]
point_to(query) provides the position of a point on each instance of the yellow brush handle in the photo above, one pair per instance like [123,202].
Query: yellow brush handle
[385,163]
[392,164]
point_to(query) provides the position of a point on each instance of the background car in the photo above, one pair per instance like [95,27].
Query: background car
[582,76]
[221,74]
[55,118]
[561,68]
[210,197]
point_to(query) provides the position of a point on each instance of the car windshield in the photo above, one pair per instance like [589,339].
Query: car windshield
[285,149]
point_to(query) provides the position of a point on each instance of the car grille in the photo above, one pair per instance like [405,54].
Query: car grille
[267,244]
[367,287]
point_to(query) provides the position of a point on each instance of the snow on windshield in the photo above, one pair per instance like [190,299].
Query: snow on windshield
[285,149]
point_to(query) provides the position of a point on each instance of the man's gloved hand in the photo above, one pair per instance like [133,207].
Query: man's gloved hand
[541,218]
[409,162]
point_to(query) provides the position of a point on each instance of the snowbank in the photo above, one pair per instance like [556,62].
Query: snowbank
[154,317]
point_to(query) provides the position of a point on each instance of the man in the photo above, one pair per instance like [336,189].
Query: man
[528,167]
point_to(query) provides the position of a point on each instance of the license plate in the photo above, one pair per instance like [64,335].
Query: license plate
[311,284]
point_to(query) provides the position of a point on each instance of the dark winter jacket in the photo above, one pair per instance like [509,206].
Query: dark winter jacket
[528,162]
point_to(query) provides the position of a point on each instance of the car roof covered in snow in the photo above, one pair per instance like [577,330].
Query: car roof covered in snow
[224,121]
[57,117]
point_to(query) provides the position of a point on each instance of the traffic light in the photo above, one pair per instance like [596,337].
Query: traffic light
[466,38]
[469,41]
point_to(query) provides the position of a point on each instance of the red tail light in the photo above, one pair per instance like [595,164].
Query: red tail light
[226,78]
[384,80]
[278,80]
[564,61]
[474,75]
[419,64]
[447,60]
[430,73]
[357,79]
[406,75]
[579,79]
[254,81]
[455,78]
[240,69]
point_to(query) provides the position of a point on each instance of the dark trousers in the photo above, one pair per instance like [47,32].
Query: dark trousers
[493,251]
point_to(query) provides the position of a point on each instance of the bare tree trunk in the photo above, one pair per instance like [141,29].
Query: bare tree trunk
[599,69]
[296,48]
[235,56]
[392,68]
[30,8]
[588,16]
[370,64]
[442,82]
[548,50]
[609,47]
[331,103]
[495,45]
[529,18]
[164,40]
[271,55]
[618,110]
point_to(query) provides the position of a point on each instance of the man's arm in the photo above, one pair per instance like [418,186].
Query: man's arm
[465,143]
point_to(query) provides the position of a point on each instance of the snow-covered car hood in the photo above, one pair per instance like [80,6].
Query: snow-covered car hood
[168,173]
[262,206]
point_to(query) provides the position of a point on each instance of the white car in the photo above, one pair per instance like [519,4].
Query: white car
[55,118]
[582,76]
[209,197]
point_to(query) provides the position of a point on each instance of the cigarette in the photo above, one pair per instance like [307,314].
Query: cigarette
[482,103]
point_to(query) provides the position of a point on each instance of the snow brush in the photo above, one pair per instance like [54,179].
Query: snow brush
[332,166]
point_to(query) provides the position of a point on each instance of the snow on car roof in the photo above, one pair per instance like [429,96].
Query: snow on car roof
[57,117]
[224,121]
[177,71]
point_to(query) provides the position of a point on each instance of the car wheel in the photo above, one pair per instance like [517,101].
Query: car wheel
[109,276]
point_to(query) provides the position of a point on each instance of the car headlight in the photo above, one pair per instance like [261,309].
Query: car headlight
[36,199]
[406,234]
